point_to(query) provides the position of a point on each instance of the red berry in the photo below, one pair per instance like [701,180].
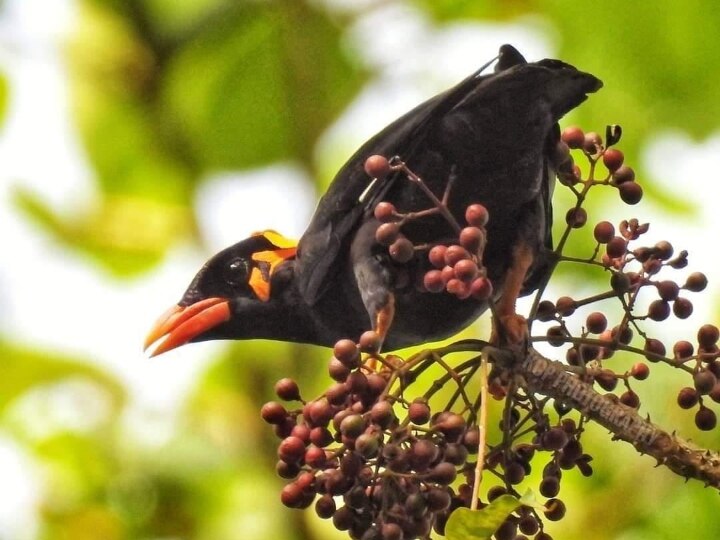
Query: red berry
[573,136]
[433,281]
[454,254]
[292,495]
[477,215]
[436,256]
[287,389]
[481,288]
[273,412]
[471,238]
[419,412]
[683,350]
[458,287]
[377,166]
[447,273]
[613,158]
[291,449]
[385,211]
[640,371]
[466,270]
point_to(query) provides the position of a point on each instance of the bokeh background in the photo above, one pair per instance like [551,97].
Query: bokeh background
[140,136]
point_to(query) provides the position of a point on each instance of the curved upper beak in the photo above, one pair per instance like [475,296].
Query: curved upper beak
[180,324]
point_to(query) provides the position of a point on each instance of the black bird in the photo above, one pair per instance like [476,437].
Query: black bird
[494,133]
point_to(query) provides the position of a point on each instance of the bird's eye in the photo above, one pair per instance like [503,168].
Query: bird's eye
[236,272]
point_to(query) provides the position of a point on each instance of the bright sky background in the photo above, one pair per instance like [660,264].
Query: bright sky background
[105,320]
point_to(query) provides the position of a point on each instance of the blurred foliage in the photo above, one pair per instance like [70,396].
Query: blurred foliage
[165,93]
[4,96]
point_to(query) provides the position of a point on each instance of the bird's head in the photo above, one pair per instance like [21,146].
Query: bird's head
[235,277]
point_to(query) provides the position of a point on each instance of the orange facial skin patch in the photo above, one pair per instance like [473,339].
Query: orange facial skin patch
[266,262]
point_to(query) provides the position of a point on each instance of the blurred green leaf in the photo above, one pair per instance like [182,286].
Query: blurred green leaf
[261,86]
[126,235]
[24,369]
[4,96]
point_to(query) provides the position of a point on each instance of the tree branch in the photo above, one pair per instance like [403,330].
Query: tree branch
[549,377]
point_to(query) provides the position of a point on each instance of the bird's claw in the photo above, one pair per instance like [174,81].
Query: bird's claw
[509,330]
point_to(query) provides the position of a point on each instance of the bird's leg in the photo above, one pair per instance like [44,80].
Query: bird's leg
[384,317]
[508,327]
[374,279]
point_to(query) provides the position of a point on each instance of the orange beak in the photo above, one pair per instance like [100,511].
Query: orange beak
[180,324]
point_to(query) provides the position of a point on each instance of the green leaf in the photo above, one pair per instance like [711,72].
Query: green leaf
[466,524]
[4,96]
[260,87]
[24,369]
[126,235]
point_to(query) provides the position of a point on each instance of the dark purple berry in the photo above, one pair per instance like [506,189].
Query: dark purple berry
[616,247]
[401,250]
[708,336]
[704,381]
[687,398]
[696,282]
[682,308]
[705,419]
[387,233]
[596,323]
[604,232]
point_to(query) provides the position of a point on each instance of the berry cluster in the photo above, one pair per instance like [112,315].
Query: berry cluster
[458,267]
[391,448]
[375,474]
[384,466]
[634,275]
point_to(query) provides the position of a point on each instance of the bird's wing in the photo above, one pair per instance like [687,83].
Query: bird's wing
[351,194]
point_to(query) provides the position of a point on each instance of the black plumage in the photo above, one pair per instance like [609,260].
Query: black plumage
[495,133]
